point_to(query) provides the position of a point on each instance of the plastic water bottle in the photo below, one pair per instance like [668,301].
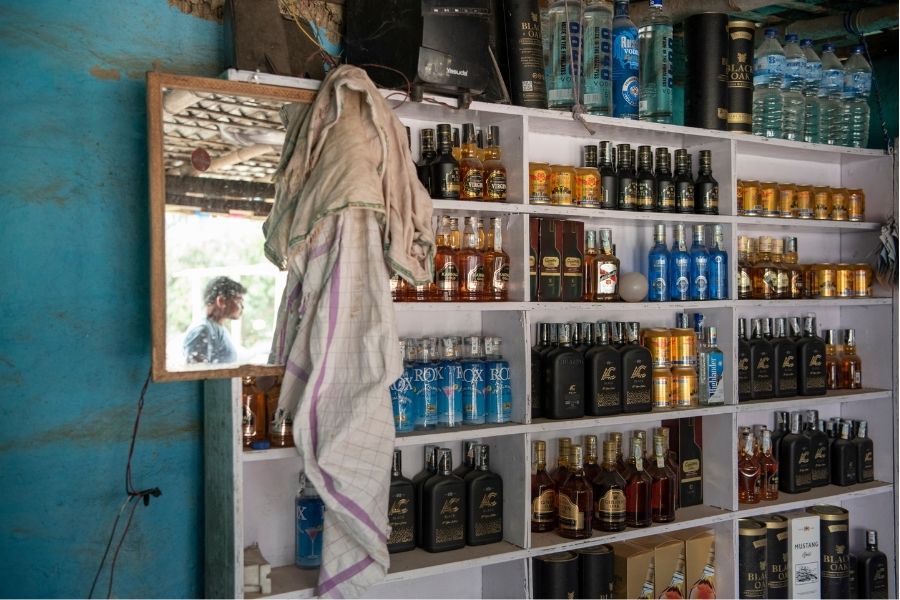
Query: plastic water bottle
[812,77]
[768,73]
[857,86]
[794,111]
[831,99]
[655,35]
[565,53]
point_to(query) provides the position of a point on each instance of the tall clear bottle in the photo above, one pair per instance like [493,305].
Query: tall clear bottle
[565,53]
[658,266]
[655,36]
[768,73]
[831,99]
[712,368]
[857,86]
[597,61]
[794,112]
[812,77]
[625,64]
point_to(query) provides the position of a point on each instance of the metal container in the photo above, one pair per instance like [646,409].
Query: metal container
[776,555]
[804,201]
[596,572]
[740,76]
[834,532]
[683,347]
[752,537]
[556,575]
[822,203]
[706,48]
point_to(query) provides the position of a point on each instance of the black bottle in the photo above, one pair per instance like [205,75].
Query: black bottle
[467,464]
[743,362]
[418,481]
[784,357]
[782,427]
[706,189]
[871,570]
[794,459]
[536,350]
[761,366]
[811,360]
[684,183]
[646,183]
[820,450]
[484,501]
[636,373]
[563,368]
[866,454]
[844,459]
[585,336]
[766,328]
[427,153]
[602,376]
[665,183]
[401,509]
[617,334]
[444,168]
[794,331]
[443,508]
[609,182]
[627,186]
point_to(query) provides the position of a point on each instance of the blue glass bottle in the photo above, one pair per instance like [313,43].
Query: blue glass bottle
[403,396]
[699,266]
[711,364]
[309,520]
[473,381]
[718,266]
[679,268]
[497,391]
[625,64]
[658,266]
[450,405]
[427,383]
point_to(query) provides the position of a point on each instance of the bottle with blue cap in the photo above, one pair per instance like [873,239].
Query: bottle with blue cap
[655,36]
[857,86]
[768,74]
[831,99]
[497,390]
[812,76]
[794,111]
[427,383]
[403,395]
[625,64]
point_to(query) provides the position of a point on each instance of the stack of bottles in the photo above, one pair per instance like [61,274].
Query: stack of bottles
[442,508]
[625,179]
[580,496]
[792,201]
[451,381]
[263,424]
[468,267]
[798,96]
[681,274]
[468,171]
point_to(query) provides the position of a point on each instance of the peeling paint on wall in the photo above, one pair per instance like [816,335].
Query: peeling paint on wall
[204,9]
[101,73]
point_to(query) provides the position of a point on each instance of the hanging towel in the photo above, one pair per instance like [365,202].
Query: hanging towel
[348,211]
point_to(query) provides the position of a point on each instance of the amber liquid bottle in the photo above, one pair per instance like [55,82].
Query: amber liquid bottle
[851,365]
[470,263]
[662,486]
[496,265]
[748,471]
[768,465]
[443,508]
[401,509]
[564,452]
[587,266]
[705,587]
[543,491]
[471,171]
[832,360]
[446,273]
[591,468]
[675,589]
[616,436]
[744,279]
[606,270]
[494,171]
[253,407]
[671,461]
[609,492]
[763,274]
[637,488]
[576,501]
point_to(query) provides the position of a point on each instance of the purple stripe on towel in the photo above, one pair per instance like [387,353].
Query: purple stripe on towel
[344,575]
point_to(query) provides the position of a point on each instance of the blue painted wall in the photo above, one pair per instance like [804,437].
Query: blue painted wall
[74,302]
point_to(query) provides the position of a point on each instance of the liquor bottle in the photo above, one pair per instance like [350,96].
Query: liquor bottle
[446,272]
[576,501]
[637,488]
[484,501]
[761,366]
[679,267]
[784,357]
[606,270]
[636,373]
[645,181]
[494,170]
[625,176]
[866,454]
[597,76]
[587,266]
[617,334]
[609,182]
[497,390]
[473,381]
[401,509]
[427,153]
[706,189]
[584,337]
[794,331]
[794,459]
[711,367]
[443,508]
[428,470]
[832,360]
[310,519]
[563,454]
[665,183]
[565,53]
[851,365]
[663,484]
[763,274]
[743,362]
[254,418]
[563,377]
[616,436]
[658,266]
[649,580]
[609,492]
[427,383]
[481,236]
[768,467]
[543,330]
[470,264]
[705,587]
[782,427]
[748,471]
[456,149]
[591,468]
[844,459]
[684,182]
[699,284]
[587,179]
[819,447]
[675,589]
[767,329]
[744,277]
[450,404]
[718,266]
[496,266]
[573,263]
[795,272]
[625,64]
[872,570]
[467,463]
[525,54]
[603,376]
[811,360]
[543,491]
[656,56]
[444,167]
[671,460]
[782,273]
[403,392]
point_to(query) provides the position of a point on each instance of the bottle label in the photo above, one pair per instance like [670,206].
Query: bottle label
[832,82]
[767,69]
[473,184]
[310,518]
[569,516]
[794,72]
[611,506]
[544,506]
[709,200]
[400,521]
[475,278]
[500,279]
[597,84]
[608,278]
[625,69]
[658,271]
[448,277]
[857,84]
[667,195]
[402,402]
[628,196]
[587,188]
[813,74]
[496,185]
[684,197]
[449,183]
[645,197]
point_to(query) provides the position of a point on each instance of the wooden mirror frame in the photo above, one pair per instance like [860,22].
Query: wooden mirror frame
[157,83]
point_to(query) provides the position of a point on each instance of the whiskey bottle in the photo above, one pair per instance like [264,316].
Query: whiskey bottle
[844,459]
[851,365]
[609,492]
[866,454]
[706,189]
[446,272]
[563,454]
[616,436]
[819,447]
[679,267]
[644,180]
[763,274]
[784,355]
[768,468]
[587,266]
[743,362]
[484,501]
[761,367]
[872,570]
[401,509]
[637,488]
[443,506]
[832,360]
[543,491]
[636,373]
[494,170]
[606,270]
[671,461]
[675,589]
[794,331]
[471,171]
[470,264]
[572,275]
[748,471]
[665,184]
[496,266]
[603,376]
[744,279]
[684,182]
[795,272]
[444,167]
[782,426]
[609,183]
[543,331]
[418,481]
[767,329]
[587,179]
[591,468]
[563,367]
[627,186]
[811,360]
[783,278]
[467,464]
[795,459]
[705,587]
[427,154]
[663,483]
[576,501]
[456,148]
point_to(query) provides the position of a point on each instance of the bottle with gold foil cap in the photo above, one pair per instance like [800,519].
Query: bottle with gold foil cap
[783,281]
[575,501]
[543,491]
[609,492]
[538,183]
[494,169]
[744,282]
[471,170]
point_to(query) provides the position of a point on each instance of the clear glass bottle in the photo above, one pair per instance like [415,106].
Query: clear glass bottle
[470,264]
[748,471]
[625,64]
[473,381]
[679,267]
[565,42]
[450,405]
[656,54]
[606,270]
[497,390]
[496,262]
[576,501]
[446,271]
[597,61]
[309,521]
[744,280]
[763,274]
[699,265]
[711,366]
[832,360]
[587,266]
[427,382]
[658,266]
[850,363]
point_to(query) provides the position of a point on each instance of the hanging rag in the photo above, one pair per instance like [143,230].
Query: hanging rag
[348,212]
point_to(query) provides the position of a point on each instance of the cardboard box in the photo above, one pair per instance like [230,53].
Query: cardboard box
[804,576]
[667,551]
[686,439]
[699,550]
[550,262]
[573,260]
[632,566]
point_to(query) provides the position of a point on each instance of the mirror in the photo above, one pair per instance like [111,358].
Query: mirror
[214,146]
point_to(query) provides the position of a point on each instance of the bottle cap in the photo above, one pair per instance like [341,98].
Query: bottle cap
[472,347]
[659,233]
[554,332]
[806,42]
[681,321]
[699,233]
[565,333]
[858,49]
[590,446]
[445,461]
[771,32]
[539,450]
[605,236]
[871,537]
[849,337]
[862,428]
[794,326]
[427,349]
[590,239]
[577,454]
[742,328]
[610,450]
[780,328]
[492,346]
[632,331]
[767,327]
[449,348]
[712,336]
[544,333]
[765,244]
[828,47]
[397,463]
[590,155]
[587,333]
[830,336]
[755,328]
[601,333]
[796,422]
[791,38]
[699,319]
[790,245]
[809,325]
[493,138]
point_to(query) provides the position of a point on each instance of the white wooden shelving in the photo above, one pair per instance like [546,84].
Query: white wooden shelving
[263,482]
